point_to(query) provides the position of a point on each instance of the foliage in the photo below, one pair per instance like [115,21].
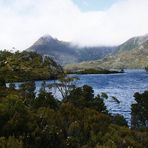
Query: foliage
[104,95]
[2,82]
[119,120]
[10,142]
[29,120]
[82,97]
[122,137]
[146,69]
[115,99]
[140,110]
[12,86]
[45,99]
[64,85]
[23,66]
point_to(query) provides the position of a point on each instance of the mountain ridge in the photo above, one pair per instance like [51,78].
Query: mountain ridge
[132,43]
[131,54]
[66,52]
[107,57]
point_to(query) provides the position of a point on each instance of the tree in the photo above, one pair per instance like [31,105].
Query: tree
[83,97]
[25,66]
[2,82]
[146,69]
[140,110]
[119,120]
[12,86]
[28,90]
[64,85]
[45,98]
[11,142]
[13,115]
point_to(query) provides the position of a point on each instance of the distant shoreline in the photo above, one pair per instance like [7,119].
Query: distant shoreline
[95,71]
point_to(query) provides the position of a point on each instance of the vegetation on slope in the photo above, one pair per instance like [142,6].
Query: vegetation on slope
[80,120]
[22,66]
[132,43]
[135,58]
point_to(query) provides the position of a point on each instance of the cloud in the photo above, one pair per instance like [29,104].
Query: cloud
[22,22]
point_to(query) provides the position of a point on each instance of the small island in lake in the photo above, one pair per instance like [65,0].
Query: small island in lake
[94,71]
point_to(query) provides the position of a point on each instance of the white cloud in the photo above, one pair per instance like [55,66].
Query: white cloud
[22,22]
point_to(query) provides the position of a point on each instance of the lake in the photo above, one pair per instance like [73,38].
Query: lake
[121,85]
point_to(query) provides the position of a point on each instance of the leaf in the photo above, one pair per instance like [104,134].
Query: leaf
[115,99]
[104,95]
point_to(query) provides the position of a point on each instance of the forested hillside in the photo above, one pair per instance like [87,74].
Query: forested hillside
[22,66]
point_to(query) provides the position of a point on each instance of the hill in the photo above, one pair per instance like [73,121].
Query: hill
[23,66]
[131,54]
[132,43]
[135,58]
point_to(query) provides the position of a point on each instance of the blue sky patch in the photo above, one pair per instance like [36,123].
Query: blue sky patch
[94,5]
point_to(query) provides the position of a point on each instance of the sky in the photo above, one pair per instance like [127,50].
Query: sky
[83,22]
[94,5]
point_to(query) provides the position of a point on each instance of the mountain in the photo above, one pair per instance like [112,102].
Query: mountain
[131,54]
[132,43]
[134,58]
[94,53]
[66,52]
[62,52]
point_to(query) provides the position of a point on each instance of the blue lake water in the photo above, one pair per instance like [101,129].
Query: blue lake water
[122,86]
